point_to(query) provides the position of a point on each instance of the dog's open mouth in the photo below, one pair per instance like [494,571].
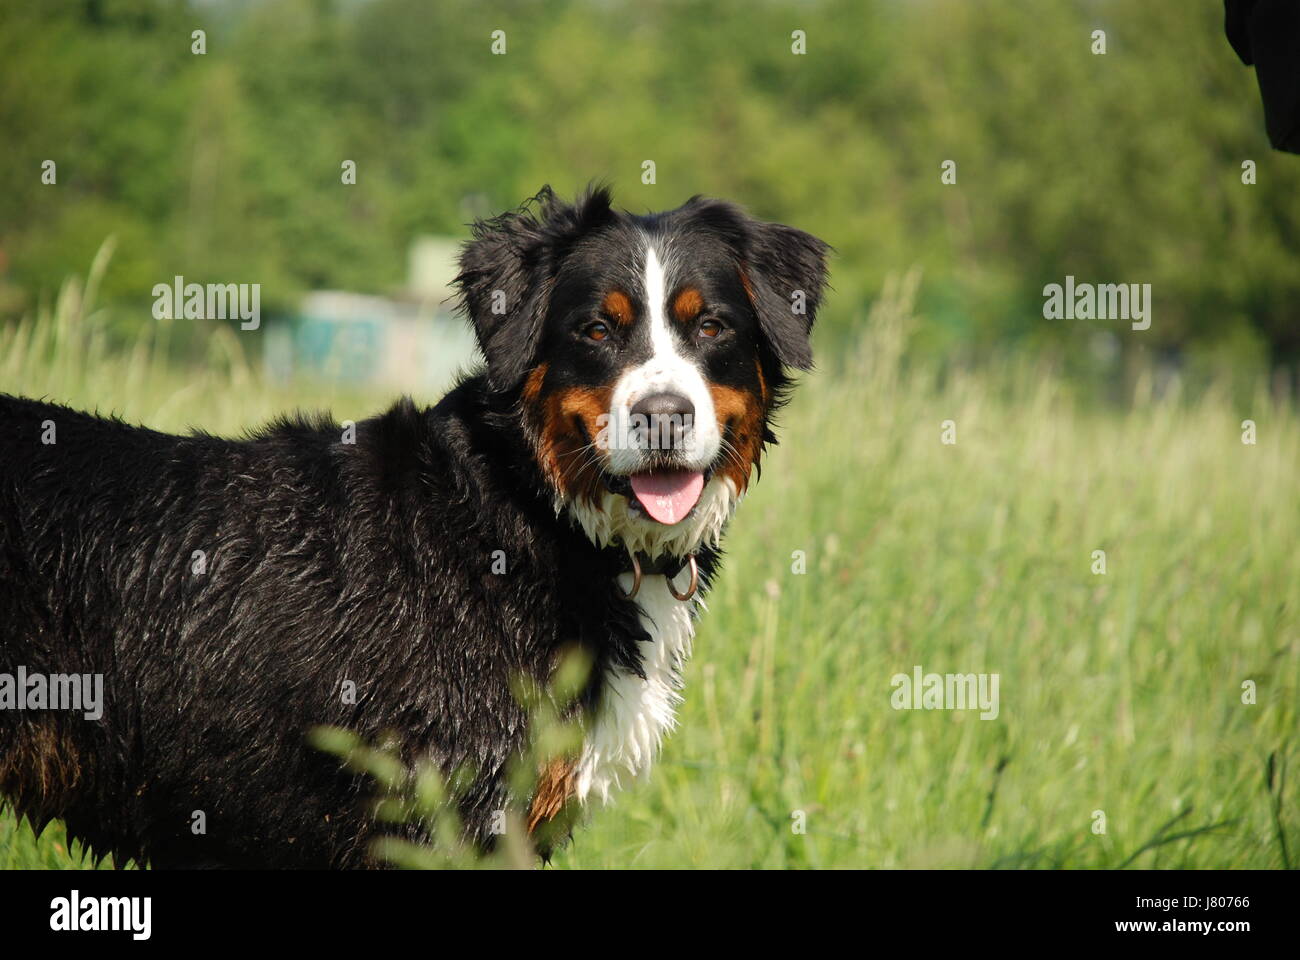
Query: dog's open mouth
[666,496]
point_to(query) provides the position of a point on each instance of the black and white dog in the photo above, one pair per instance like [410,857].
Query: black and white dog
[570,494]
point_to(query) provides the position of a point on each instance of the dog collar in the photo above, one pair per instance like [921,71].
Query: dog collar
[640,564]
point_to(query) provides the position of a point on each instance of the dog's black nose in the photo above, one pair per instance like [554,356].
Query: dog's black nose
[664,405]
[661,420]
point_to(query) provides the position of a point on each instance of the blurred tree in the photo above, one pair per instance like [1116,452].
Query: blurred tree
[1122,167]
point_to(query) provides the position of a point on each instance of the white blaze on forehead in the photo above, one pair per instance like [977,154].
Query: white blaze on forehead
[656,295]
[666,371]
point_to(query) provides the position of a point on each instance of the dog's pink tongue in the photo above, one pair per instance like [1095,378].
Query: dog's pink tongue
[668,495]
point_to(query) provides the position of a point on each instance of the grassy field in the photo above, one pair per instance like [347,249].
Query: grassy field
[1121,693]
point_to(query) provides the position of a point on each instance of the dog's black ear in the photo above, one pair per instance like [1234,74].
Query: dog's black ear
[506,273]
[784,273]
[782,269]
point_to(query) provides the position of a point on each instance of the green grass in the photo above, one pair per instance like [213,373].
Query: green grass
[1120,692]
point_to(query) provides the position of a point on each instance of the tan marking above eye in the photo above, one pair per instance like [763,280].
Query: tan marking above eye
[618,307]
[687,305]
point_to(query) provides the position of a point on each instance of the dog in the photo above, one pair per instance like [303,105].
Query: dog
[570,493]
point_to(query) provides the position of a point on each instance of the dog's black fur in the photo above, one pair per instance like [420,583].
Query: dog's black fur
[325,562]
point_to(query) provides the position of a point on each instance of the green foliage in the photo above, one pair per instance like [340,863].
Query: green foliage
[421,794]
[1124,167]
[21,849]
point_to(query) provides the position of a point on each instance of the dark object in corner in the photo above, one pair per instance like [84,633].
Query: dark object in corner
[1266,33]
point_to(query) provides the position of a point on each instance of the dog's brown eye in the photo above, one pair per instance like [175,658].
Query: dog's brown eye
[710,328]
[596,331]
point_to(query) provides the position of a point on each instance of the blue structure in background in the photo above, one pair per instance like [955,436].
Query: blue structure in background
[411,341]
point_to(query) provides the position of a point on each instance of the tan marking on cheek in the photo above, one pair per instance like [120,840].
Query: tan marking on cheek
[588,404]
[618,307]
[687,305]
[571,425]
[743,413]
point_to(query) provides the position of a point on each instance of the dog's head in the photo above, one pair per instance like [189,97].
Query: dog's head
[647,353]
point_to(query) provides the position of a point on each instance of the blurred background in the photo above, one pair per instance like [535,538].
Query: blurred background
[227,166]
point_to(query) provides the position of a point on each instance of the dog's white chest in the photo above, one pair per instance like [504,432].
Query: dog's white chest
[635,714]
